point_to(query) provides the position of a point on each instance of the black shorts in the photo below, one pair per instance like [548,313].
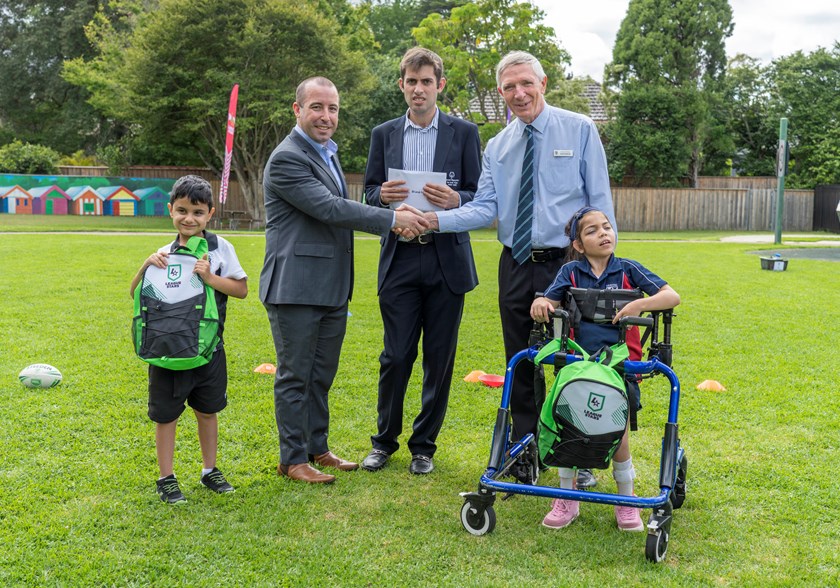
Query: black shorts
[203,388]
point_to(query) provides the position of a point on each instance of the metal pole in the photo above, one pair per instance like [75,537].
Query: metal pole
[781,163]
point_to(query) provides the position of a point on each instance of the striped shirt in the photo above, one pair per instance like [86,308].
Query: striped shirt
[419,145]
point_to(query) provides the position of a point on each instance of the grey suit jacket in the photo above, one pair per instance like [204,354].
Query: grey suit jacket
[309,228]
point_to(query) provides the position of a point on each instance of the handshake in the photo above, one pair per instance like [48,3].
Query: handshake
[411,222]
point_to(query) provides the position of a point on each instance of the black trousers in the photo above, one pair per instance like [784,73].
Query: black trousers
[415,298]
[518,285]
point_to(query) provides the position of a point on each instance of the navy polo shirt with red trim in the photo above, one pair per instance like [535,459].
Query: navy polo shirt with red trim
[620,273]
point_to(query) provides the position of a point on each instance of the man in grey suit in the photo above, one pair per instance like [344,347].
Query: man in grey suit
[307,277]
[422,281]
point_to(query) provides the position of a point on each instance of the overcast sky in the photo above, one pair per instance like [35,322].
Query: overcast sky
[765,29]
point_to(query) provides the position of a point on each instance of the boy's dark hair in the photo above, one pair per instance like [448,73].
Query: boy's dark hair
[197,189]
[417,57]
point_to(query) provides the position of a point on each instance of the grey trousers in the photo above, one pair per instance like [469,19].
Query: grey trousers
[308,342]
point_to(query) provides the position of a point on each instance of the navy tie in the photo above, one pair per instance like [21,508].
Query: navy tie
[525,210]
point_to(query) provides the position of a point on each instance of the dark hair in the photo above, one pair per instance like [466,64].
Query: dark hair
[571,232]
[197,189]
[417,57]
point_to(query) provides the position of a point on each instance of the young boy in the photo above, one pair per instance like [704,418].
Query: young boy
[204,387]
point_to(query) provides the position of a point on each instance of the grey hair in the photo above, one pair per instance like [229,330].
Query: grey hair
[518,58]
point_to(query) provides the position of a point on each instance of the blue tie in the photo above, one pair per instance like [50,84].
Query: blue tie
[525,210]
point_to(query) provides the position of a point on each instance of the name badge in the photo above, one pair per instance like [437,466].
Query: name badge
[564,153]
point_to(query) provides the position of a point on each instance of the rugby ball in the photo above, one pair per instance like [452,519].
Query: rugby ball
[39,375]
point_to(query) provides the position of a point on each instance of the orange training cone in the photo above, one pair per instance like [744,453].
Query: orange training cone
[473,376]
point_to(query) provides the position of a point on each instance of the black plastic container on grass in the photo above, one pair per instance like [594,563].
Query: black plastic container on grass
[777,263]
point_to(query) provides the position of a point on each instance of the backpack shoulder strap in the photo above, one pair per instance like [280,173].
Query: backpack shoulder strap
[212,240]
[554,346]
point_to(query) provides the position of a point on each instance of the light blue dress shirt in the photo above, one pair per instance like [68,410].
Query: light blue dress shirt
[327,151]
[570,170]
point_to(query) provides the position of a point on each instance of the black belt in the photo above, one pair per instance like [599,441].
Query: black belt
[543,255]
[419,240]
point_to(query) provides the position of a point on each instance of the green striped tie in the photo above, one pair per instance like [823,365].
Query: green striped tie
[525,210]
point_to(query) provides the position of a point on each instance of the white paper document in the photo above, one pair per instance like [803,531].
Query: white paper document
[415,180]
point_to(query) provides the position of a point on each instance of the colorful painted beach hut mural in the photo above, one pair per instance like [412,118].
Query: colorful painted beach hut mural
[90,195]
[49,200]
[15,200]
[85,201]
[119,201]
[152,201]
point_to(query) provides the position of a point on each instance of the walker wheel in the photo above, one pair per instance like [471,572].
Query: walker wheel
[678,495]
[659,532]
[478,520]
[656,545]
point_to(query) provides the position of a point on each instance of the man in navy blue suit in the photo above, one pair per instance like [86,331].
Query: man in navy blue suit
[422,281]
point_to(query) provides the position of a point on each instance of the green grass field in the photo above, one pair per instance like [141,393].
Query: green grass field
[78,464]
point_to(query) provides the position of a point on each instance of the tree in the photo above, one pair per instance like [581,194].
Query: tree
[172,75]
[36,104]
[752,124]
[473,39]
[391,21]
[806,90]
[653,146]
[675,48]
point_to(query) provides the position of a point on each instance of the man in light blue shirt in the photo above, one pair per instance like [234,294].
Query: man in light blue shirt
[569,171]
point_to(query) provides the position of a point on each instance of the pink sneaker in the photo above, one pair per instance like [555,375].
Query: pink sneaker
[629,518]
[562,513]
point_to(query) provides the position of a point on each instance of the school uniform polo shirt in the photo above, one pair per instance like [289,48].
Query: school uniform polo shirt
[620,274]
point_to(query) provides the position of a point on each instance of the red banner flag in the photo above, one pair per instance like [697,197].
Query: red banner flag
[231,124]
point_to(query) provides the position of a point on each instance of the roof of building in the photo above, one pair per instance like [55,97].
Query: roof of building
[597,110]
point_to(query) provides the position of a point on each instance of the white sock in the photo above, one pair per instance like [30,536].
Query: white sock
[567,478]
[624,474]
[205,471]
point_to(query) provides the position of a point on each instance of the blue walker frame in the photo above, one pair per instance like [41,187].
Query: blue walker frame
[477,513]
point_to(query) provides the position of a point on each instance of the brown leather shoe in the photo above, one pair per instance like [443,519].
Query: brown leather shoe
[305,473]
[331,460]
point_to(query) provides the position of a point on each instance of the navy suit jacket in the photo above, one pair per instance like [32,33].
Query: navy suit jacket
[458,155]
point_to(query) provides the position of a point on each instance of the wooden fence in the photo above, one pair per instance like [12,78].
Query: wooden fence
[718,203]
[721,209]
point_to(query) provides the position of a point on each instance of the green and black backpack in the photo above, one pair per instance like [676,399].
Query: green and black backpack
[584,415]
[176,318]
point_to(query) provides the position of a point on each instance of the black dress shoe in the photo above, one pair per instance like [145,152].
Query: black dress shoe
[585,479]
[421,464]
[375,460]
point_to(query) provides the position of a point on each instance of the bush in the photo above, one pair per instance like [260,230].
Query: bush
[79,158]
[24,158]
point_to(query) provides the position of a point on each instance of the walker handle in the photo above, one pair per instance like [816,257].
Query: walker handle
[639,321]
